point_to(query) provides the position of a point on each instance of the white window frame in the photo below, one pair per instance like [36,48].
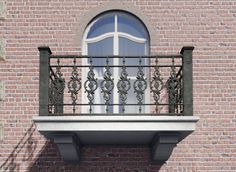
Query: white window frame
[115,36]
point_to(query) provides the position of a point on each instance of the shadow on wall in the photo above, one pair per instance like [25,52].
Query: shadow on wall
[23,151]
[94,158]
[22,158]
[97,159]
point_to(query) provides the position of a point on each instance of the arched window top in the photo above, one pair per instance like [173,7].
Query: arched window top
[101,25]
[121,30]
[122,23]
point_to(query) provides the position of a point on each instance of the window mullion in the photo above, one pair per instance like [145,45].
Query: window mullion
[116,38]
[116,69]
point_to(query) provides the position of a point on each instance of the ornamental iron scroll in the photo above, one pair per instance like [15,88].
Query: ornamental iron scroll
[172,85]
[156,85]
[90,85]
[123,86]
[58,87]
[140,85]
[74,85]
[107,85]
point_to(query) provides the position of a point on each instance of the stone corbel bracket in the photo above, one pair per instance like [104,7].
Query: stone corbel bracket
[163,145]
[69,146]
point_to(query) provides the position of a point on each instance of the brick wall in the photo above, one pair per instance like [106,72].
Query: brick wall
[210,26]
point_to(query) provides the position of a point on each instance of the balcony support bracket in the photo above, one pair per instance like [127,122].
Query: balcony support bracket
[69,146]
[163,145]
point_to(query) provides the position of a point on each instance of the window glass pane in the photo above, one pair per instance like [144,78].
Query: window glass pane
[130,48]
[101,48]
[103,25]
[131,26]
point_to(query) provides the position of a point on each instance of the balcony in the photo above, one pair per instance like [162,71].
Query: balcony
[144,100]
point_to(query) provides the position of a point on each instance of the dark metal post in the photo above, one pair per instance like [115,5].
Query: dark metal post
[187,80]
[45,52]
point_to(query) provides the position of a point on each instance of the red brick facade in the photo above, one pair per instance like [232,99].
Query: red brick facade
[210,26]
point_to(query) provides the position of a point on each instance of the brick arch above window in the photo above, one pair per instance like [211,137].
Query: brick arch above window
[134,10]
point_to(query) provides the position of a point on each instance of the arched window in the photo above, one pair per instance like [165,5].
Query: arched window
[115,33]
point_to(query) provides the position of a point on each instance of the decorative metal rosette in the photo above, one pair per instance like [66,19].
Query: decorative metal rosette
[107,85]
[156,85]
[90,86]
[74,85]
[140,85]
[123,86]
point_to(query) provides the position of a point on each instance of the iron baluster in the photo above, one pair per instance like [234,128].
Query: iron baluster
[90,85]
[74,85]
[123,85]
[107,85]
[172,84]
[156,85]
[58,89]
[140,85]
[179,96]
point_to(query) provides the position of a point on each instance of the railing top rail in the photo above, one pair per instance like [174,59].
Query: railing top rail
[149,57]
[119,114]
[128,66]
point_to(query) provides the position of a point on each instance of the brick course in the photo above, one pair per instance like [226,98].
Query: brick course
[210,26]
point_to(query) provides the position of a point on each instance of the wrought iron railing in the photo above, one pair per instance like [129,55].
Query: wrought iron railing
[157,85]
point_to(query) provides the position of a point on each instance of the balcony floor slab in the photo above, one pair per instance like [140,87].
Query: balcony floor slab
[110,129]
